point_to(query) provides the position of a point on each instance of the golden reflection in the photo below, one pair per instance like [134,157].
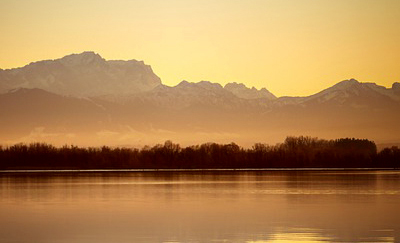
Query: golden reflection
[295,235]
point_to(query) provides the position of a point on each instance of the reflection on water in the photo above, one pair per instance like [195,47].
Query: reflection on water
[234,206]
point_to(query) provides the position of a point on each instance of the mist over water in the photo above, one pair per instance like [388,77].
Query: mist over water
[233,206]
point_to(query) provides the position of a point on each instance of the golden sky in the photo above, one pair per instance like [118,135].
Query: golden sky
[291,47]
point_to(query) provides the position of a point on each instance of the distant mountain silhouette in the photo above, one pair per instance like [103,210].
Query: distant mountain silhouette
[85,99]
[242,91]
[85,74]
[350,93]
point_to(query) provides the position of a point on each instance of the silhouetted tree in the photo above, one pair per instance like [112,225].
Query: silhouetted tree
[301,152]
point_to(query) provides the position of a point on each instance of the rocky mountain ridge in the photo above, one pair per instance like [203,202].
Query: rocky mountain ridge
[82,75]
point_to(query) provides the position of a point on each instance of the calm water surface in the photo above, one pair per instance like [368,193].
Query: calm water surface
[234,206]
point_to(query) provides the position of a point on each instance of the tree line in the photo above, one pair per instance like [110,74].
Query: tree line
[294,152]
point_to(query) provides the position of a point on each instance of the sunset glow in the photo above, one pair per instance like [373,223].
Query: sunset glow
[290,47]
[199,121]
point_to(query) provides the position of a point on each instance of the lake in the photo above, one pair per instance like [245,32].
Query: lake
[200,206]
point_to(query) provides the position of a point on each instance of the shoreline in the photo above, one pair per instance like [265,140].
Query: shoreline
[194,170]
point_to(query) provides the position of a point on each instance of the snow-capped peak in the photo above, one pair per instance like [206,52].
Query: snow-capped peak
[85,74]
[87,57]
[240,90]
[349,89]
[345,84]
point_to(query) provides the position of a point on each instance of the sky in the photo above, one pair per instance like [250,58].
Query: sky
[291,47]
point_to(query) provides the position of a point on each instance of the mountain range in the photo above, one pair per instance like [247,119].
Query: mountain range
[86,100]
